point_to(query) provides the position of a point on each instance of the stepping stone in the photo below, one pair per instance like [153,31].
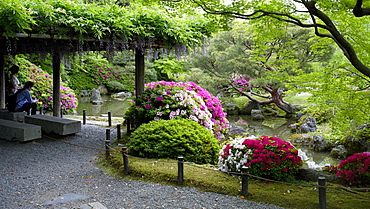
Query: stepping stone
[66,198]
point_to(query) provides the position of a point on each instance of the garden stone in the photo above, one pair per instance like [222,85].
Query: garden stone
[293,128]
[95,97]
[308,125]
[308,174]
[318,143]
[236,130]
[122,95]
[301,139]
[65,198]
[339,152]
[270,112]
[84,99]
[247,109]
[354,145]
[84,93]
[358,143]
[257,115]
[102,89]
[231,109]
[299,115]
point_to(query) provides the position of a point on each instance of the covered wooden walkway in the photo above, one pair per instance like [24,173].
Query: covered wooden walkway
[57,47]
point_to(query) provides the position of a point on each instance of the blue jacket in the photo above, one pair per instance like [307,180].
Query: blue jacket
[23,97]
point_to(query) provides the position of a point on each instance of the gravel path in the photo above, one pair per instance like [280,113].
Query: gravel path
[42,173]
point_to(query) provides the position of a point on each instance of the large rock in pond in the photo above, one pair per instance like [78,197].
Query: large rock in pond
[84,93]
[339,152]
[102,89]
[230,109]
[359,142]
[308,124]
[236,130]
[247,109]
[318,143]
[257,115]
[96,97]
[301,139]
[122,95]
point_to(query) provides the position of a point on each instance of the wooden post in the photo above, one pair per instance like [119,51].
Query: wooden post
[139,76]
[139,72]
[107,142]
[84,117]
[109,119]
[244,180]
[2,81]
[56,84]
[125,160]
[180,170]
[322,192]
[118,131]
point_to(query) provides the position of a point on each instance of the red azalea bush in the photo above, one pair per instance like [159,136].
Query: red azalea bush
[265,156]
[355,169]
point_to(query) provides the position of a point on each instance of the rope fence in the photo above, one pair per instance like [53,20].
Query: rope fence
[321,181]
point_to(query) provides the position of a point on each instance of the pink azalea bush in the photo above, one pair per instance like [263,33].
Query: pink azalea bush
[356,169]
[43,90]
[170,100]
[242,81]
[102,75]
[265,156]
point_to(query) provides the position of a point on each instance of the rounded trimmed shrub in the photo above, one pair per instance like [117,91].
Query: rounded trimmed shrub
[356,169]
[174,138]
[265,156]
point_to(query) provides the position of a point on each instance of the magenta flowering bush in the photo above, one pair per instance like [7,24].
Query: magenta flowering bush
[241,81]
[170,100]
[103,75]
[356,169]
[265,156]
[43,90]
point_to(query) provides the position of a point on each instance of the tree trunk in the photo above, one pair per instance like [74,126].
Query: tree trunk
[276,97]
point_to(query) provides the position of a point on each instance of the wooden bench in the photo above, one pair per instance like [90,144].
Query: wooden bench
[56,125]
[16,131]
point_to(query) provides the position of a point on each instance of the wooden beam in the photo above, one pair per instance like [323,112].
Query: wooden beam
[2,81]
[56,84]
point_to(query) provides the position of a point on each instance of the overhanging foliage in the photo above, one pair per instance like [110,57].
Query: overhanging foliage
[57,19]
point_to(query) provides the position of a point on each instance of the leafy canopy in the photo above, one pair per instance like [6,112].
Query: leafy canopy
[74,19]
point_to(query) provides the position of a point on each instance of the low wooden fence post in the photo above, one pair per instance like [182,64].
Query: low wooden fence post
[84,117]
[109,119]
[180,170]
[244,181]
[107,142]
[125,160]
[322,192]
[118,131]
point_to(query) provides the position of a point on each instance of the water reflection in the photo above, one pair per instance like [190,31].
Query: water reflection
[116,106]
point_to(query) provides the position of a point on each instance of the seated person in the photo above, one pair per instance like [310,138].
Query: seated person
[24,100]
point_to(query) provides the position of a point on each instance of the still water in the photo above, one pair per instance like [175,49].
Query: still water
[272,126]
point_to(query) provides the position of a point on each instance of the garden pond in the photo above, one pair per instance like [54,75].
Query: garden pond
[271,126]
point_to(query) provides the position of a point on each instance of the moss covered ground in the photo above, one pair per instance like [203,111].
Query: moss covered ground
[206,178]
